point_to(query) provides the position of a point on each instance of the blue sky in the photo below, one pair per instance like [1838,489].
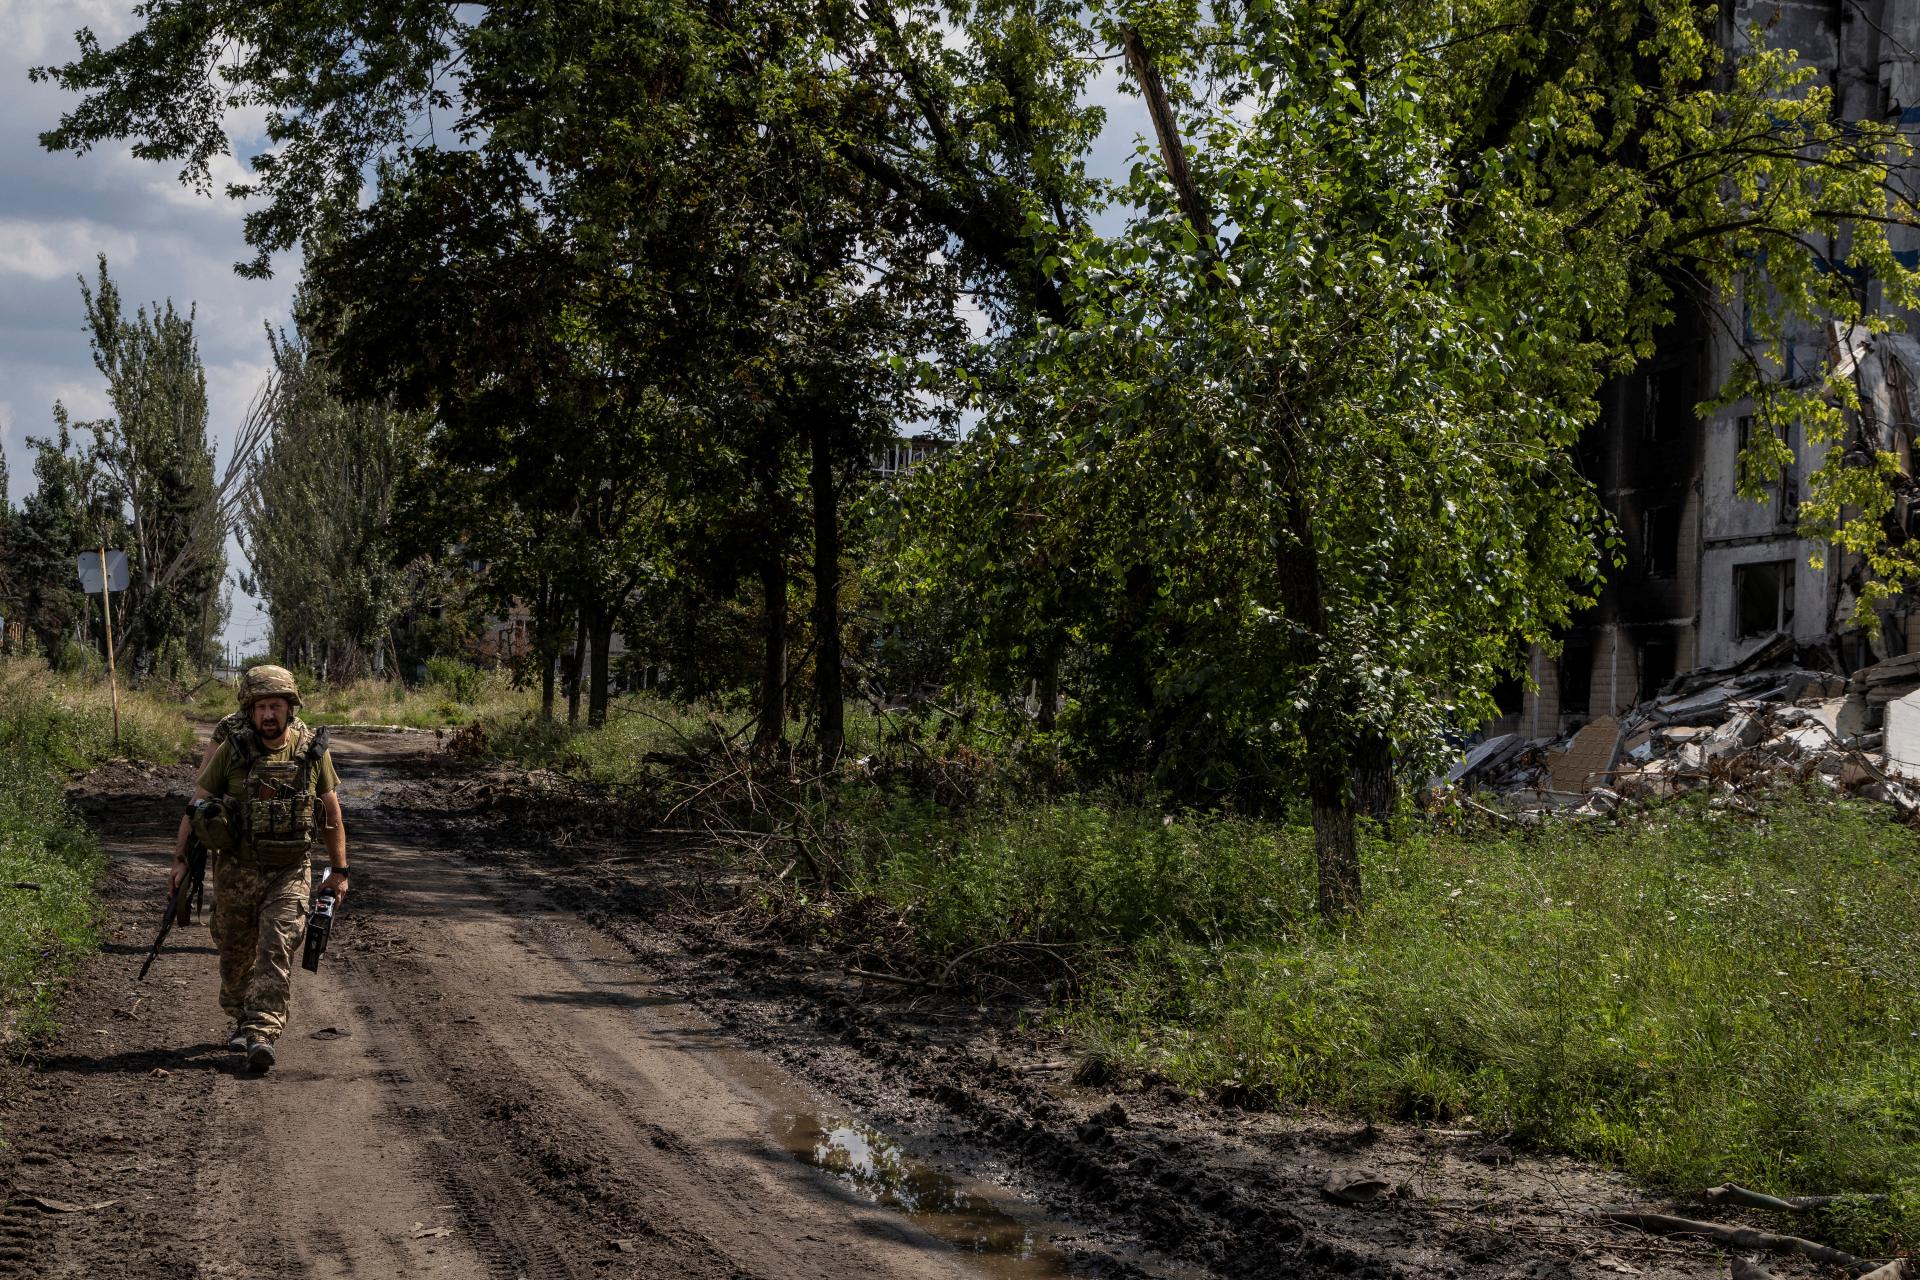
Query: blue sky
[161,240]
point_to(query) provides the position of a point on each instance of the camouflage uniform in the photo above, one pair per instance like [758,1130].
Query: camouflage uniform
[261,888]
[259,921]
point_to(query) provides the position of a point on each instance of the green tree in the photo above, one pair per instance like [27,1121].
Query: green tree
[1303,433]
[315,519]
[155,450]
[70,510]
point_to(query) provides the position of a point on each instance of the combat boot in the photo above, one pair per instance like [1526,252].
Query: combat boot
[260,1053]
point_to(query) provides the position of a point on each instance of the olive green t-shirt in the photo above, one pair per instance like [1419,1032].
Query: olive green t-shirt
[225,776]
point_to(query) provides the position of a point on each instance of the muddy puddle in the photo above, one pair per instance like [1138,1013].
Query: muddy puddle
[879,1170]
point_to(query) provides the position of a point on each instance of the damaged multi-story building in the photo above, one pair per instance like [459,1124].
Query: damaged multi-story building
[1712,576]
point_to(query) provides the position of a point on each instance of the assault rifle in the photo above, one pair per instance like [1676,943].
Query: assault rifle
[193,888]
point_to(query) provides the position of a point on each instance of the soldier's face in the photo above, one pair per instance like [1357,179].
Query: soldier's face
[270,716]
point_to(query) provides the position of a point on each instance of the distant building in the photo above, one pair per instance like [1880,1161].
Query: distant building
[1711,577]
[903,453]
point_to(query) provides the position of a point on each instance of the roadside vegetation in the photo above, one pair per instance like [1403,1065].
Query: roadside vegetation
[51,727]
[1694,993]
[454,693]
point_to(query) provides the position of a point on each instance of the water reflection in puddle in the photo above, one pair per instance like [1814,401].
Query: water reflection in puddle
[878,1169]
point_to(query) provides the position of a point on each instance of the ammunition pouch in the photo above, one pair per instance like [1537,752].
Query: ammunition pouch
[212,826]
[277,813]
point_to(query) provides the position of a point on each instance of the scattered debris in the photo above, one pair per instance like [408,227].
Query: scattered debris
[47,1205]
[329,1033]
[1355,1186]
[1661,1224]
[1733,1193]
[1748,728]
[421,1231]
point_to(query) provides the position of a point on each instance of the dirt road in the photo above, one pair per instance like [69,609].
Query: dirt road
[476,1084]
[522,1058]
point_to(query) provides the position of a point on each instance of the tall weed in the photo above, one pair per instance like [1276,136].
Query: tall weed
[1696,995]
[50,727]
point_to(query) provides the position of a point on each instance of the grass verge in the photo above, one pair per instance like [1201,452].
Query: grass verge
[51,727]
[1695,995]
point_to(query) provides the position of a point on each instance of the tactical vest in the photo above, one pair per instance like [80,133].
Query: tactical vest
[274,812]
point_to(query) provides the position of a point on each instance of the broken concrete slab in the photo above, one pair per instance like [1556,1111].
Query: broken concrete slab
[1589,759]
[1708,704]
[1902,741]
[1487,755]
[1902,670]
[1736,735]
[1846,717]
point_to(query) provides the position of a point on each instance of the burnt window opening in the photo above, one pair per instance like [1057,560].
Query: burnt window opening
[1669,407]
[1510,695]
[1657,666]
[1576,678]
[1762,599]
[1660,541]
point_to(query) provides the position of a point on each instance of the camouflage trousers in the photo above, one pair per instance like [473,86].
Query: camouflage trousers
[259,922]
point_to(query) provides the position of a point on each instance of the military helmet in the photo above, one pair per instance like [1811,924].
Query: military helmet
[267,682]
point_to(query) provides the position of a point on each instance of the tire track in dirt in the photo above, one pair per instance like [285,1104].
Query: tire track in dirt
[475,1084]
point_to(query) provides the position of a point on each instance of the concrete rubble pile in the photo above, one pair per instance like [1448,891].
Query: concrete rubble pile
[1750,728]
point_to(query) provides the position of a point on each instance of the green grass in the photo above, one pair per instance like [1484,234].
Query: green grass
[469,697]
[1694,995]
[50,728]
[639,724]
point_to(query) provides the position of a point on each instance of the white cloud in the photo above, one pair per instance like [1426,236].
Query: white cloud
[42,30]
[231,388]
[83,402]
[50,250]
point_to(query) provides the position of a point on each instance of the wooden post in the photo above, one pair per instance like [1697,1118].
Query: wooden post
[106,612]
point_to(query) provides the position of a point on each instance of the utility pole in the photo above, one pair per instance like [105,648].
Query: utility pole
[106,612]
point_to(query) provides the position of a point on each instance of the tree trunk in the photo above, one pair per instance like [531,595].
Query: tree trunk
[1049,687]
[547,660]
[772,732]
[549,604]
[828,679]
[601,626]
[576,670]
[1336,843]
[1374,789]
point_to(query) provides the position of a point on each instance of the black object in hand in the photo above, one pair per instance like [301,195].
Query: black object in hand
[319,928]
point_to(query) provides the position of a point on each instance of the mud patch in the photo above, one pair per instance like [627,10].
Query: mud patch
[876,1168]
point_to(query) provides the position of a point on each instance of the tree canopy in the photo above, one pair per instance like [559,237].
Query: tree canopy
[1274,476]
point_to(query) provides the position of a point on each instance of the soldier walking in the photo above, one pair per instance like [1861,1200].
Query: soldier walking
[272,784]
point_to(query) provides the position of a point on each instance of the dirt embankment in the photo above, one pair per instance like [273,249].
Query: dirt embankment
[529,1054]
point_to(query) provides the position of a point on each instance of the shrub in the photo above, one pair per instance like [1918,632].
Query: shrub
[50,727]
[459,680]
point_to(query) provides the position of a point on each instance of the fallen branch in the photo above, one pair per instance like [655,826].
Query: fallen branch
[1661,1224]
[1733,1193]
[1491,813]
[895,978]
